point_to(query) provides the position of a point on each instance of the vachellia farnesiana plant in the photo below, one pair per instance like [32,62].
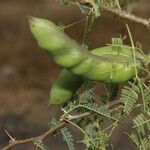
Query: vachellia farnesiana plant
[111,65]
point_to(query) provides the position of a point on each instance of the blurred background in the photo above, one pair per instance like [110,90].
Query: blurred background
[27,73]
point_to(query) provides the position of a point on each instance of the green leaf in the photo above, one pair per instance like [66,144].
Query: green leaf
[146,92]
[63,2]
[39,144]
[95,138]
[101,110]
[96,7]
[112,89]
[141,123]
[131,5]
[53,122]
[117,41]
[129,97]
[104,98]
[61,26]
[84,9]
[68,137]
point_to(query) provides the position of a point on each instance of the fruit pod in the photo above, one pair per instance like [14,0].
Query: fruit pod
[107,64]
[67,83]
[119,65]
[63,50]
[64,87]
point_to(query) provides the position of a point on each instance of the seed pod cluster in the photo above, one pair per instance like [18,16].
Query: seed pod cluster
[112,63]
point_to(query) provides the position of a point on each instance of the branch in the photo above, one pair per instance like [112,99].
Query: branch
[121,13]
[61,124]
[29,140]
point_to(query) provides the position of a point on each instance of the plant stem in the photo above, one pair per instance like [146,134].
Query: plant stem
[121,13]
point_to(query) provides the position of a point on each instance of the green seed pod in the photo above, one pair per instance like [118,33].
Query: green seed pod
[64,87]
[60,93]
[107,64]
[123,50]
[63,50]
[121,67]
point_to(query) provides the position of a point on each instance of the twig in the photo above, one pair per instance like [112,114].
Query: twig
[45,134]
[42,136]
[113,104]
[61,124]
[121,13]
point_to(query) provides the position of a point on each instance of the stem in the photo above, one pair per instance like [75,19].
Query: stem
[136,71]
[74,23]
[121,13]
[74,125]
[29,140]
[60,125]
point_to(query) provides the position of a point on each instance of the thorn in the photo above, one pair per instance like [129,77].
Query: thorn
[11,138]
[63,110]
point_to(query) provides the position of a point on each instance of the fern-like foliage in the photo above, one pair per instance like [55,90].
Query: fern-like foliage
[40,145]
[129,97]
[86,96]
[112,92]
[141,143]
[68,137]
[140,122]
[96,134]
[86,102]
[141,136]
[117,41]
[100,110]
[95,138]
[53,122]
[146,93]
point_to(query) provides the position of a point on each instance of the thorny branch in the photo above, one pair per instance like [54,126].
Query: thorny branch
[54,129]
[121,13]
[29,140]
[61,124]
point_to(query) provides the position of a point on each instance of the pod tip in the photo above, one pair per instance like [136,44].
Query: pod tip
[31,19]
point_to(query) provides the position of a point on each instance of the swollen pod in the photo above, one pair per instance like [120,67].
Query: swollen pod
[113,63]
[106,64]
[63,50]
[64,87]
